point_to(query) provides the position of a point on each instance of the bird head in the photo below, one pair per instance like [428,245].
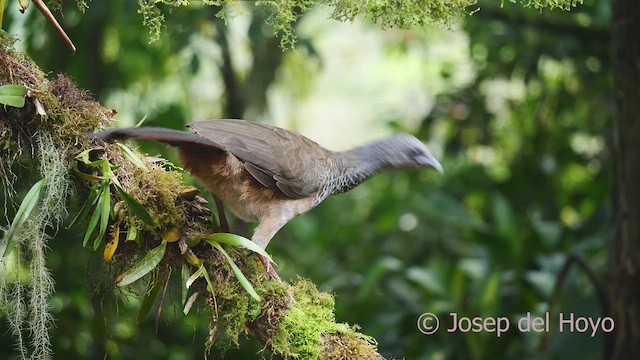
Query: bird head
[405,151]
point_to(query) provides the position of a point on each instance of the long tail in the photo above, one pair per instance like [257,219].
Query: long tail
[169,136]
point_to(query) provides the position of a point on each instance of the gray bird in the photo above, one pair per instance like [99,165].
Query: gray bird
[270,175]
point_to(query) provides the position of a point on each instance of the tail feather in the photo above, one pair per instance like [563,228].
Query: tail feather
[168,136]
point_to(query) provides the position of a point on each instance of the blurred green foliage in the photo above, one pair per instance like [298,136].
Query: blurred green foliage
[527,177]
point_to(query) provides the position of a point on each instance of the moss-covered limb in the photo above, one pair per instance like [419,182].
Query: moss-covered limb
[305,330]
[282,15]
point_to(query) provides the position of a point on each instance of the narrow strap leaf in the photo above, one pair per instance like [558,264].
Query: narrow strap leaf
[91,200]
[135,207]
[238,273]
[26,207]
[236,240]
[105,210]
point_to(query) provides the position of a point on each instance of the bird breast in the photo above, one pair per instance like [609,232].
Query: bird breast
[226,177]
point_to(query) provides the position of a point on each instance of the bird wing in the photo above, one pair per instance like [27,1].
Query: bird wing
[279,159]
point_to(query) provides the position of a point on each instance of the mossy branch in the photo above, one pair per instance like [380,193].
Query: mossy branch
[306,329]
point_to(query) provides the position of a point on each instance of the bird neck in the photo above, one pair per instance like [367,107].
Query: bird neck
[359,164]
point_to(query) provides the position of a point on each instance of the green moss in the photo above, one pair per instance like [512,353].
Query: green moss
[154,188]
[302,330]
[304,323]
[237,307]
[71,112]
[56,5]
[282,17]
[402,14]
[7,40]
[550,4]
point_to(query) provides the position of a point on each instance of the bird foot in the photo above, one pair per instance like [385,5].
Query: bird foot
[268,266]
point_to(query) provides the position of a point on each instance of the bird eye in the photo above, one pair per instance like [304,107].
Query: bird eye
[414,153]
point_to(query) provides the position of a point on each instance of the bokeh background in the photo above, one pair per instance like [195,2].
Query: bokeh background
[515,102]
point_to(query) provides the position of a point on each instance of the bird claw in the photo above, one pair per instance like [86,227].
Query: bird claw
[266,262]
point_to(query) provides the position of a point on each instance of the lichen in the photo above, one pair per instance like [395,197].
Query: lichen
[43,143]
[31,240]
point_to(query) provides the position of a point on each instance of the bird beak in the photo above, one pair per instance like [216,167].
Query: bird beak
[429,160]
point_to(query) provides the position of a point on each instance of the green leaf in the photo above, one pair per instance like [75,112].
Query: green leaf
[13,95]
[131,156]
[238,273]
[89,177]
[105,209]
[136,207]
[84,157]
[132,235]
[202,271]
[106,169]
[195,276]
[236,240]
[143,267]
[205,273]
[97,215]
[148,301]
[91,200]
[93,221]
[26,207]
[141,121]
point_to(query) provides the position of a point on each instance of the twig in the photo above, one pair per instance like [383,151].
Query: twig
[56,25]
[583,264]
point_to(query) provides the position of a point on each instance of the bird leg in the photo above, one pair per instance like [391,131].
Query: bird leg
[261,236]
[222,218]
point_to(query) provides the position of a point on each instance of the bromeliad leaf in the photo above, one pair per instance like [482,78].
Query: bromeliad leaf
[144,266]
[13,95]
[236,240]
[26,208]
[238,273]
[135,207]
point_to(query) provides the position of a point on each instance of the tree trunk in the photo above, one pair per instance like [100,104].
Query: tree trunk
[624,267]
